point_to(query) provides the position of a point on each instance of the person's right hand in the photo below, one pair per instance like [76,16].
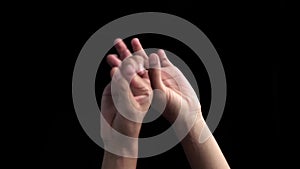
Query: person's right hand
[200,148]
[182,101]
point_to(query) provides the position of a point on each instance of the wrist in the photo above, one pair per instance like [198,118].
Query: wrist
[121,145]
[111,160]
[196,129]
[189,124]
[127,127]
[199,133]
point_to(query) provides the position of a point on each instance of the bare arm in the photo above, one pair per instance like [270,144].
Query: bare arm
[132,99]
[182,102]
[206,155]
[117,162]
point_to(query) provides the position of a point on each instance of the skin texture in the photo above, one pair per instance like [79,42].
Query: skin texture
[137,94]
[181,102]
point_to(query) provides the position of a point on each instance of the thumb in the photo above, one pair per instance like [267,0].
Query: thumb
[155,72]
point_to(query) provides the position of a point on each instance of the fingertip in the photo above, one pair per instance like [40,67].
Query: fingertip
[136,44]
[135,41]
[122,49]
[153,55]
[117,41]
[163,58]
[154,61]
[113,71]
[161,52]
[110,56]
[113,60]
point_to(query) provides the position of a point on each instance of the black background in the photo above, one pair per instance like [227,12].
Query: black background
[244,35]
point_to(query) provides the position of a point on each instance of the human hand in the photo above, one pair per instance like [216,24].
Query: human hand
[125,100]
[181,100]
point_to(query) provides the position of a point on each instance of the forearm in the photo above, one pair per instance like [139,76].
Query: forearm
[121,145]
[112,161]
[205,155]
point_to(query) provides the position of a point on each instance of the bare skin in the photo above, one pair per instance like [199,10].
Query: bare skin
[181,99]
[139,94]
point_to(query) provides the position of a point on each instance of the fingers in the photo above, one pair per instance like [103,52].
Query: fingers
[155,72]
[113,71]
[138,86]
[122,94]
[163,58]
[131,67]
[124,52]
[122,49]
[138,50]
[124,77]
[113,60]
[136,45]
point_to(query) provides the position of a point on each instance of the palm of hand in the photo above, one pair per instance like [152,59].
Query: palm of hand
[179,93]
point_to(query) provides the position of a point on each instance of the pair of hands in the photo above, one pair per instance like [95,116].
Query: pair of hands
[137,81]
[127,98]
